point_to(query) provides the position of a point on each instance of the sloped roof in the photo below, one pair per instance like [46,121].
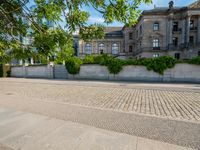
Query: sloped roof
[113,31]
[163,10]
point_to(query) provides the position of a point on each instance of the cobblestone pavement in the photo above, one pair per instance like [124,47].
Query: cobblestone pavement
[163,112]
[171,101]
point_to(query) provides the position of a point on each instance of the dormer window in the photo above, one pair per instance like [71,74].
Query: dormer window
[156,26]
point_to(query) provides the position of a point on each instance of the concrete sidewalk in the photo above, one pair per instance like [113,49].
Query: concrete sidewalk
[25,131]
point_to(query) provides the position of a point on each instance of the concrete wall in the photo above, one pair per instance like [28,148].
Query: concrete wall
[180,73]
[60,72]
[32,72]
[92,72]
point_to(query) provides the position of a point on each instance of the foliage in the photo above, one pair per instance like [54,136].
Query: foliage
[195,60]
[89,59]
[72,65]
[115,66]
[160,64]
[17,18]
[91,32]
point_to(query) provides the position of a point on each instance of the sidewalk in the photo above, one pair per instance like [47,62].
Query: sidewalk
[26,131]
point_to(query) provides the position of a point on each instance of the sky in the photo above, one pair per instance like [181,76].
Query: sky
[96,17]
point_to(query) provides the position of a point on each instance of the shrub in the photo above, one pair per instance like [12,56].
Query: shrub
[72,65]
[159,64]
[114,66]
[103,59]
[195,60]
[89,59]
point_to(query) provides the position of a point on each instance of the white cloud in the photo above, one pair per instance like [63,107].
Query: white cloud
[96,20]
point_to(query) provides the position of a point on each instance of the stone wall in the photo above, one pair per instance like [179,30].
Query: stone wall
[60,72]
[180,73]
[32,72]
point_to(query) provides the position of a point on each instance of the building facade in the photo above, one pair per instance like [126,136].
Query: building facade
[112,43]
[173,31]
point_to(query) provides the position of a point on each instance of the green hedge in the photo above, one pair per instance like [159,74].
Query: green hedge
[73,64]
[195,60]
[115,65]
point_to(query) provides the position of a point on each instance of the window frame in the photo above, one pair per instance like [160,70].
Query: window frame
[156,55]
[175,42]
[130,35]
[115,48]
[175,25]
[130,48]
[88,48]
[156,43]
[154,26]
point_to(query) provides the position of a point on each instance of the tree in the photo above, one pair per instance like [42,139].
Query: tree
[13,26]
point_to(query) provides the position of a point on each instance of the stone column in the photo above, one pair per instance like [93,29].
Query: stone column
[188,30]
[183,32]
[198,31]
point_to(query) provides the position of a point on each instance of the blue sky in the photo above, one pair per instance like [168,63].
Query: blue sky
[97,18]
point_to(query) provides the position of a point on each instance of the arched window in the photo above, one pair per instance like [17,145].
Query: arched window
[101,48]
[115,48]
[88,48]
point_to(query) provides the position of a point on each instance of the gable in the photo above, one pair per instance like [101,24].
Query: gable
[195,4]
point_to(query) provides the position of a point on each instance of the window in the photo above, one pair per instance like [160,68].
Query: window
[175,41]
[88,48]
[130,48]
[156,55]
[156,43]
[177,56]
[130,36]
[175,26]
[140,29]
[191,24]
[198,53]
[191,40]
[156,26]
[115,48]
[101,48]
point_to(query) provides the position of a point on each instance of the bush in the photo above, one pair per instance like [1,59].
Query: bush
[159,64]
[115,66]
[72,65]
[195,60]
[89,59]
[103,59]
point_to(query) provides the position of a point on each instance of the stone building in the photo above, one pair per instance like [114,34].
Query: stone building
[173,31]
[112,43]
[169,30]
